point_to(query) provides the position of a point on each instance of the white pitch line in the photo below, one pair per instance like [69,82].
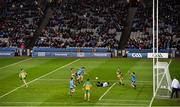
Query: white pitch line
[107,91]
[126,100]
[86,103]
[156,91]
[38,78]
[15,63]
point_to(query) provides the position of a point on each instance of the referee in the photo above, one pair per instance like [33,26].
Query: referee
[175,87]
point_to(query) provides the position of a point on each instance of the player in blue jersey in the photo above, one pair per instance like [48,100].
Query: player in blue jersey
[71,83]
[133,80]
[80,73]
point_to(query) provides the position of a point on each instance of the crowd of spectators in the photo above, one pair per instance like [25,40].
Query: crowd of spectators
[95,23]
[82,23]
[19,21]
[87,23]
[168,25]
[165,41]
[74,39]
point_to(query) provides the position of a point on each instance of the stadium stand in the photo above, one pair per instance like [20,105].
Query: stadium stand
[18,22]
[168,27]
[84,24]
[92,23]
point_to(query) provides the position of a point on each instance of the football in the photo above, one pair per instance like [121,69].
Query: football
[96,78]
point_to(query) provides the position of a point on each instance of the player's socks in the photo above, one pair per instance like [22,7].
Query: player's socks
[26,85]
[84,97]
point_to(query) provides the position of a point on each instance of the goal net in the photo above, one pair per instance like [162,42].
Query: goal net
[162,80]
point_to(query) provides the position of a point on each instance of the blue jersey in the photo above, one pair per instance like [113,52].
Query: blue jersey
[71,83]
[80,71]
[133,78]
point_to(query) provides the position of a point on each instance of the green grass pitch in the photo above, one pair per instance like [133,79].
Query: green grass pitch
[49,82]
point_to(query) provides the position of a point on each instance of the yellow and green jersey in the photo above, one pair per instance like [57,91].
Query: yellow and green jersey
[22,75]
[87,85]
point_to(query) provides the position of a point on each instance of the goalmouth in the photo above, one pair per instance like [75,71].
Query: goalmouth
[162,80]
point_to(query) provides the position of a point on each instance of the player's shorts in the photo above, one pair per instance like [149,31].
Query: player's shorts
[22,78]
[72,89]
[121,78]
[78,76]
[133,82]
[87,90]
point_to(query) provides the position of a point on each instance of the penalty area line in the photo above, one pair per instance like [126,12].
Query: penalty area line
[106,91]
[39,78]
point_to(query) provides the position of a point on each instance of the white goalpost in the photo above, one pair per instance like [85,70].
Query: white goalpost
[161,76]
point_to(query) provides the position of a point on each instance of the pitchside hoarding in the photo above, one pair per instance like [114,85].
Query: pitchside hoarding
[71,54]
[8,51]
[147,55]
[157,55]
[137,55]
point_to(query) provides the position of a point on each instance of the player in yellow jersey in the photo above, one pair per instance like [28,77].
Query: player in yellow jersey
[87,87]
[120,76]
[74,76]
[73,73]
[22,76]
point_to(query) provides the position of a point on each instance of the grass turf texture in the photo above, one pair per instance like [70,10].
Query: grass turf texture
[53,89]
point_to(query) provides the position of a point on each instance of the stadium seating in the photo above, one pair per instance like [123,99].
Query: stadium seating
[92,23]
[19,22]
